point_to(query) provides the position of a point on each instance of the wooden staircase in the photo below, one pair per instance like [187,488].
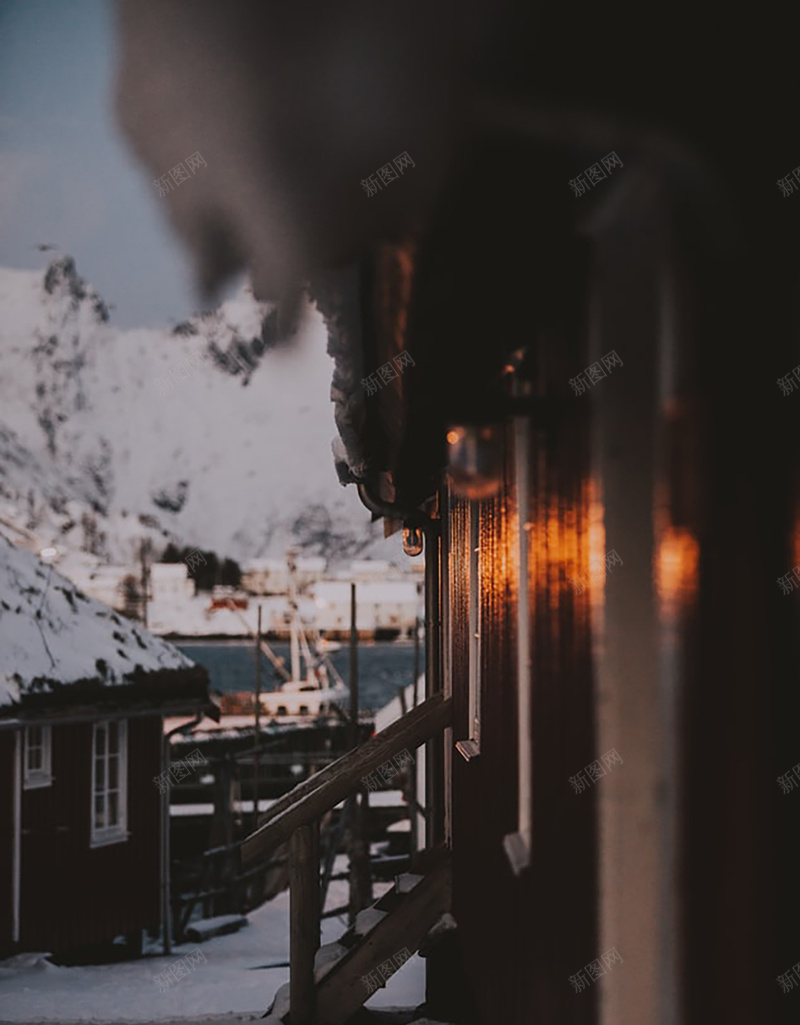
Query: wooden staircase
[339,991]
[373,957]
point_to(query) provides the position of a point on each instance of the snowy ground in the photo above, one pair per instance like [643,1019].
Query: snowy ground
[230,983]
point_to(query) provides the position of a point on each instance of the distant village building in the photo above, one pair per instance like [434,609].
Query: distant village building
[103,583]
[271,576]
[365,570]
[170,582]
[384,610]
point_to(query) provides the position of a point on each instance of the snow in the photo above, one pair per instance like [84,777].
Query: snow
[445,924]
[377,799]
[187,810]
[367,919]
[233,979]
[205,928]
[407,881]
[49,630]
[392,711]
[326,957]
[99,426]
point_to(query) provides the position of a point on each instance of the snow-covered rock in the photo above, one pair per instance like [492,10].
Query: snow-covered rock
[51,634]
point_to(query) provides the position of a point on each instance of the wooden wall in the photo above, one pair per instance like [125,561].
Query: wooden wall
[6,837]
[73,895]
[524,935]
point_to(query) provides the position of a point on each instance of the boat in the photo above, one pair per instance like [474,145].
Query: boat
[310,688]
[308,692]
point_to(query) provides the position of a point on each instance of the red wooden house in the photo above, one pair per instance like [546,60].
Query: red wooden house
[83,695]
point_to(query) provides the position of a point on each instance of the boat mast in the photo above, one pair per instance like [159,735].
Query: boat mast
[295,641]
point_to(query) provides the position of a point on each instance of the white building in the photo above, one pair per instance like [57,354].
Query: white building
[170,582]
[383,606]
[271,576]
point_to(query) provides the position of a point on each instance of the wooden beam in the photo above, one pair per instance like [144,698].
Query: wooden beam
[310,799]
[304,914]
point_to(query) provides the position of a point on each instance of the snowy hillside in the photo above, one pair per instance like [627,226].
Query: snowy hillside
[50,632]
[216,434]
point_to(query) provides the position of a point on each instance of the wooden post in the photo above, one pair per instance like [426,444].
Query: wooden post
[304,913]
[434,749]
[358,850]
[353,669]
[360,867]
[412,770]
[145,576]
[257,739]
[166,902]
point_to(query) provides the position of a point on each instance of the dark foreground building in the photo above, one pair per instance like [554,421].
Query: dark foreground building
[565,341]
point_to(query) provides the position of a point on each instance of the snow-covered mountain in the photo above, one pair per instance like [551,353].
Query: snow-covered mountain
[215,434]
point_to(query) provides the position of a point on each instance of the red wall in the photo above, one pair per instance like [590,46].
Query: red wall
[71,894]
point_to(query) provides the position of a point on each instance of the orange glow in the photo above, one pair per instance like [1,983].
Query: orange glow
[567,538]
[676,569]
[453,437]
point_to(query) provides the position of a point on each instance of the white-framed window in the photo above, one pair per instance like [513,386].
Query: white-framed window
[37,757]
[109,782]
[470,747]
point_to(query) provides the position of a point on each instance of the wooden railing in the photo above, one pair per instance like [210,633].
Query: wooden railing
[221,888]
[295,817]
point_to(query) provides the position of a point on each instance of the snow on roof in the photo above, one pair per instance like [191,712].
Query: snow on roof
[51,633]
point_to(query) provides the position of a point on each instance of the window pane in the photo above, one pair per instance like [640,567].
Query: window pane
[113,773]
[99,774]
[34,758]
[113,735]
[99,812]
[35,736]
[100,739]
[113,807]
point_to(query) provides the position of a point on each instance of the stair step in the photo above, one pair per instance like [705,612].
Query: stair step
[410,917]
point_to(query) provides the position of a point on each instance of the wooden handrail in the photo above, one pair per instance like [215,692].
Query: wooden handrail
[310,799]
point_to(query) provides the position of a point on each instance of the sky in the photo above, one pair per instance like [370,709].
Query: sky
[67,176]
